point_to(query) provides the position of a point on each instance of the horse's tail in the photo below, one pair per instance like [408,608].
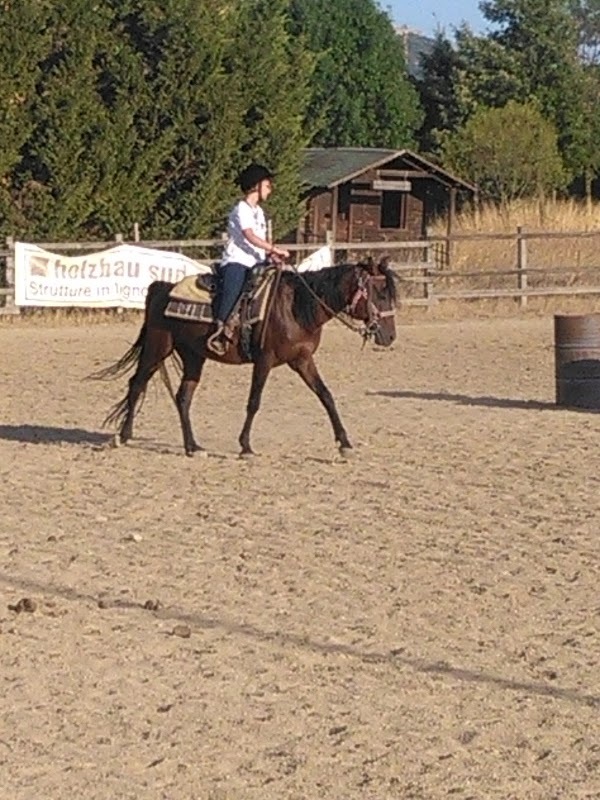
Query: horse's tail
[126,363]
[131,358]
[116,415]
[118,412]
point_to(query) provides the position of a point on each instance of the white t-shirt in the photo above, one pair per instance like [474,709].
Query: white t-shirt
[238,249]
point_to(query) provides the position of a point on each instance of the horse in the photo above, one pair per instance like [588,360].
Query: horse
[299,306]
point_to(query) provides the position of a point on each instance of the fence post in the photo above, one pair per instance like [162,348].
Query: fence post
[119,240]
[9,304]
[427,274]
[330,242]
[450,228]
[522,265]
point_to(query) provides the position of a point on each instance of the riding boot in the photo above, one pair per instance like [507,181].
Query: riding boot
[219,341]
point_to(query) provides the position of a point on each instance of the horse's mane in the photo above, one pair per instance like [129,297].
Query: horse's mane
[326,284]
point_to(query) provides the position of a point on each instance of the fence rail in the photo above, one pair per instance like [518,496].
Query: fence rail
[423,267]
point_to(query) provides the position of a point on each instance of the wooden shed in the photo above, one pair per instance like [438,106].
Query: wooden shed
[364,194]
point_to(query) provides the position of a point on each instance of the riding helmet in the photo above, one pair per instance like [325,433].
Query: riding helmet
[253,175]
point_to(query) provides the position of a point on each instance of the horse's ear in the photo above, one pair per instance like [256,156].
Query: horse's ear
[368,263]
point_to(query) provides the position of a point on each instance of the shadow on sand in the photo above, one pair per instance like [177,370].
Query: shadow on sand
[485,401]
[44,434]
[279,638]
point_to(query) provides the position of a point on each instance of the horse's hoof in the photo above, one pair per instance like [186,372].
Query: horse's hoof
[116,440]
[247,454]
[196,450]
[346,452]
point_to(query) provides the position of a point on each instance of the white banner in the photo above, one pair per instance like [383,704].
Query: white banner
[320,259]
[118,277]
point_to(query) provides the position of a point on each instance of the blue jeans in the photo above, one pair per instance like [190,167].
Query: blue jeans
[233,277]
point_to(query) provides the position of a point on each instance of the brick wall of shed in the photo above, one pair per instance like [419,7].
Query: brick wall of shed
[359,213]
[365,214]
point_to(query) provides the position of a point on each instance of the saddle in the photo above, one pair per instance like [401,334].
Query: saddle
[194,297]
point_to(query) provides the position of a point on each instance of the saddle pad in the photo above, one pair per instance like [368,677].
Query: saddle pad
[189,310]
[198,306]
[187,289]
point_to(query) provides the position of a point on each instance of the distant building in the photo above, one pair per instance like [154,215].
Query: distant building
[416,44]
[362,194]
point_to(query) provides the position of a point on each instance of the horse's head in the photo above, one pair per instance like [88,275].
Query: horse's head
[374,300]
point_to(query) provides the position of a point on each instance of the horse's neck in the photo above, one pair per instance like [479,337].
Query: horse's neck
[333,306]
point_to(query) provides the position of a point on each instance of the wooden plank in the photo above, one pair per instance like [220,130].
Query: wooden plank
[160,244]
[392,186]
[415,301]
[417,266]
[418,279]
[402,173]
[395,245]
[542,235]
[481,294]
[490,273]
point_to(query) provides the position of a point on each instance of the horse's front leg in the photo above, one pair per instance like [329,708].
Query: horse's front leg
[192,370]
[309,373]
[260,373]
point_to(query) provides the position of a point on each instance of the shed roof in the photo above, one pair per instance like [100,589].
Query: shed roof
[326,167]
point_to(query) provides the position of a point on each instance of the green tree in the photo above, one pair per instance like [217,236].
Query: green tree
[457,80]
[543,34]
[587,18]
[438,92]
[489,74]
[510,152]
[362,95]
[24,43]
[223,83]
[72,140]
[274,91]
[187,119]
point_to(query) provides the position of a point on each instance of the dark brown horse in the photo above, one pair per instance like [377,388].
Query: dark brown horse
[301,304]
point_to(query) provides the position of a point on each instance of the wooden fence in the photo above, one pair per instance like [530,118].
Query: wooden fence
[424,267]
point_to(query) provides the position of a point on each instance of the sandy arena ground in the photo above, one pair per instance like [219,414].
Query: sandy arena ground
[420,622]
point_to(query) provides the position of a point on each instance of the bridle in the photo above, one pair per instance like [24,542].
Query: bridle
[365,291]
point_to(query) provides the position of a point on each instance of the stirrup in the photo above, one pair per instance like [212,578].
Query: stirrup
[218,342]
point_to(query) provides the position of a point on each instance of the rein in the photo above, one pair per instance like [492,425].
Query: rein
[364,331]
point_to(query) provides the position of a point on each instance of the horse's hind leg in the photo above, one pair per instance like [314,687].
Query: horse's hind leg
[157,346]
[309,373]
[192,371]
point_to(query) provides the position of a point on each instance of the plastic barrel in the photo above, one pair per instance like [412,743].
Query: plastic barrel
[577,360]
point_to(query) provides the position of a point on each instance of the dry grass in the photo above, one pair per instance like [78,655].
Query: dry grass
[570,257]
[559,215]
[574,251]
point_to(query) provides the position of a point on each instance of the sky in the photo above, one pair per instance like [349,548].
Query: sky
[429,15]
